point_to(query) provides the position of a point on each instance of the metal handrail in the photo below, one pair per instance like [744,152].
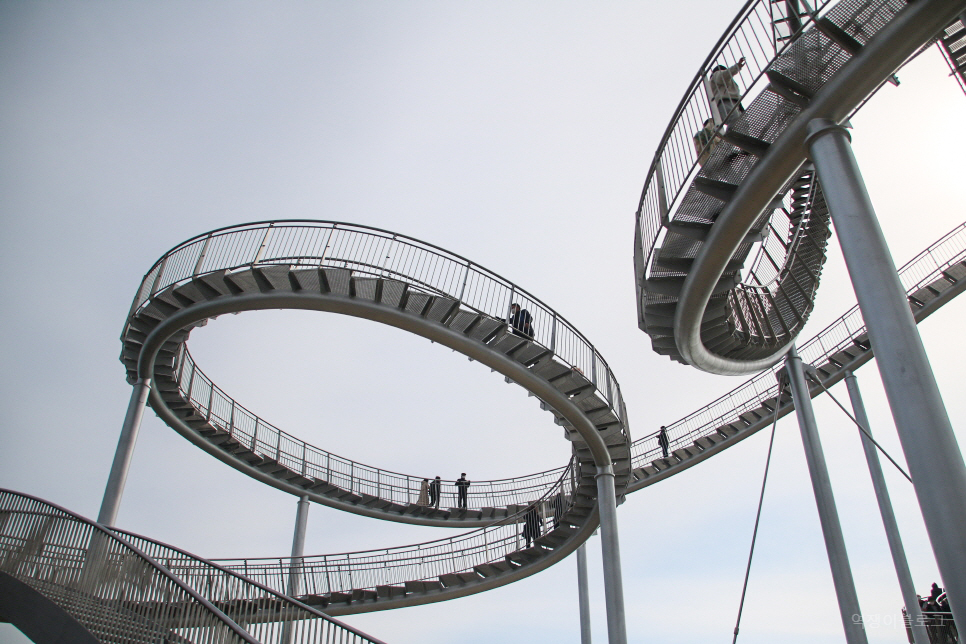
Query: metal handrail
[111,587]
[250,600]
[381,253]
[915,274]
[268,441]
[365,570]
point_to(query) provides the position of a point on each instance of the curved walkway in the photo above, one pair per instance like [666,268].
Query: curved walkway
[400,281]
[697,224]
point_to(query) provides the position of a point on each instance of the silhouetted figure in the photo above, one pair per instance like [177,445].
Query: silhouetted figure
[531,525]
[462,487]
[663,441]
[521,321]
[434,492]
[557,505]
[423,499]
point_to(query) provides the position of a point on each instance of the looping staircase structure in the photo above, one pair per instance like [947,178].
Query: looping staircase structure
[749,190]
[730,242]
[402,282]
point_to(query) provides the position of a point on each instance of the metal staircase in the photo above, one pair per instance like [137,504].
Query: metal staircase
[933,278]
[952,44]
[745,188]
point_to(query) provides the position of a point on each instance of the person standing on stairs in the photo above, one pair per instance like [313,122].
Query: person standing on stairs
[423,499]
[724,91]
[434,493]
[663,441]
[462,488]
[521,321]
[531,525]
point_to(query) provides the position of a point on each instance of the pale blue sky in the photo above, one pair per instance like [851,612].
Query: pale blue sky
[516,134]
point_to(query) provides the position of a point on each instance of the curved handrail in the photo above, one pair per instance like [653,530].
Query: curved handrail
[46,545]
[249,602]
[266,440]
[379,253]
[915,274]
[367,569]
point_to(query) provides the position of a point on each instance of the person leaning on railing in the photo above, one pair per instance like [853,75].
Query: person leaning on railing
[521,321]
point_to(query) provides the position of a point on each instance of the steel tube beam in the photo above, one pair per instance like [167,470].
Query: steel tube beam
[906,586]
[825,501]
[927,438]
[125,451]
[611,554]
[583,594]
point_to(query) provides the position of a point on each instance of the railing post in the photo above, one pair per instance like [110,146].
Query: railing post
[201,256]
[662,205]
[157,278]
[466,274]
[255,435]
[211,395]
[261,249]
[553,334]
[305,448]
[278,447]
[191,382]
[231,420]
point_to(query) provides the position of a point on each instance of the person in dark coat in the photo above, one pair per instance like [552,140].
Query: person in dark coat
[663,441]
[531,525]
[557,505]
[521,321]
[434,487]
[462,488]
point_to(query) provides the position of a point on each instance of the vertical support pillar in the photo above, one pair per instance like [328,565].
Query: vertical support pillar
[611,554]
[124,452]
[930,447]
[295,564]
[919,634]
[828,516]
[298,545]
[583,594]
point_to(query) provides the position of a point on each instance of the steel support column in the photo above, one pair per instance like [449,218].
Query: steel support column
[888,515]
[611,554]
[828,516]
[124,452]
[930,447]
[295,564]
[583,594]
[298,545]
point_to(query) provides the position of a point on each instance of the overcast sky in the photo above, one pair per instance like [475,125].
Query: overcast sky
[516,134]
